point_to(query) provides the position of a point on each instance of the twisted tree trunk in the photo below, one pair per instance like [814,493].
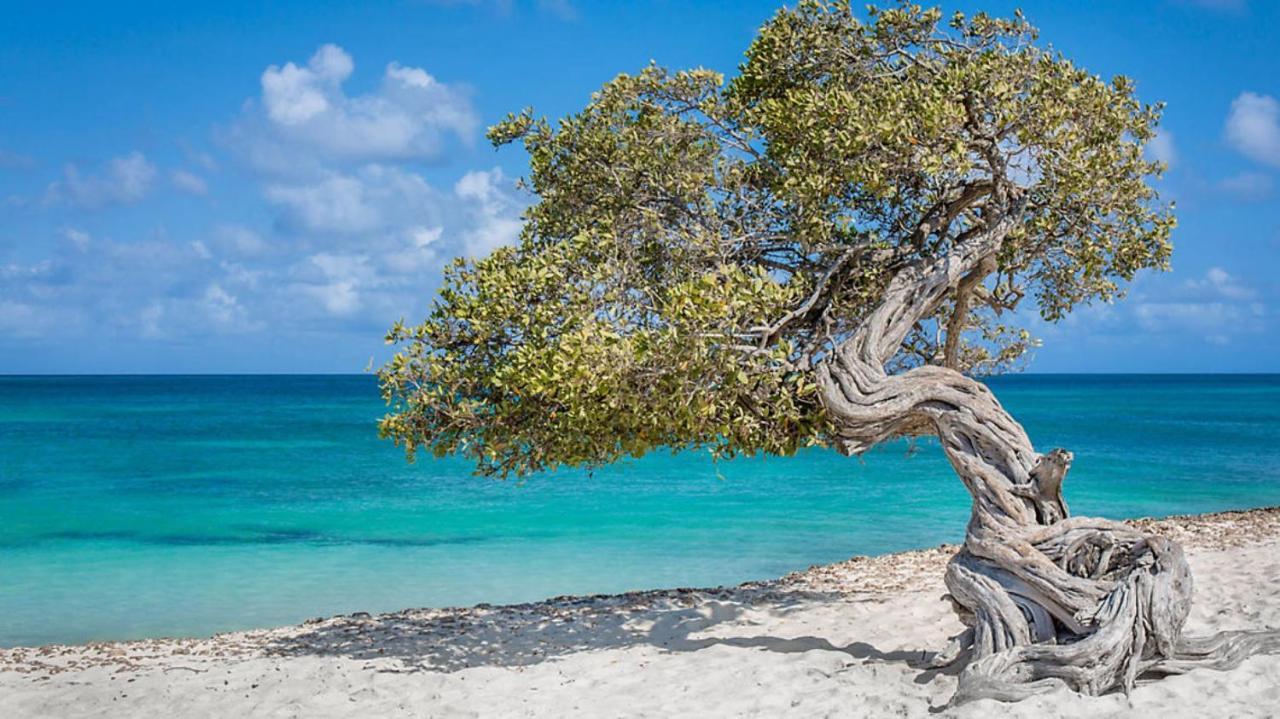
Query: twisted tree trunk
[1048,599]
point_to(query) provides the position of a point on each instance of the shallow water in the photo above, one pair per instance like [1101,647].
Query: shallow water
[148,506]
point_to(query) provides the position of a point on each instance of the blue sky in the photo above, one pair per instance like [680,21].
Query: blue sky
[254,187]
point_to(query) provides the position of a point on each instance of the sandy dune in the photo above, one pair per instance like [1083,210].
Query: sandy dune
[843,640]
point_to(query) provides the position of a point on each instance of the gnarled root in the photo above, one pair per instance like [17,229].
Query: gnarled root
[1222,651]
[1134,630]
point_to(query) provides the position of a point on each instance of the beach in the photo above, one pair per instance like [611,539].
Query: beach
[847,639]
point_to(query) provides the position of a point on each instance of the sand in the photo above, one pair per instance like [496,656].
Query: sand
[842,640]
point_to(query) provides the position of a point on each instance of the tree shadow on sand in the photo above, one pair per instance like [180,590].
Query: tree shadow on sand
[448,640]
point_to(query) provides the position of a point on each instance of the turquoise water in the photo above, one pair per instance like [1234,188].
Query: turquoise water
[148,506]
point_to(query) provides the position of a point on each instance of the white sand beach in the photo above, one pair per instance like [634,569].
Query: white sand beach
[844,640]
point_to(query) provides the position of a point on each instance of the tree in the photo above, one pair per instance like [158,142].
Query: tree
[825,250]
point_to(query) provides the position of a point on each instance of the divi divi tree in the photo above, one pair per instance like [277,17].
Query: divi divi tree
[826,250]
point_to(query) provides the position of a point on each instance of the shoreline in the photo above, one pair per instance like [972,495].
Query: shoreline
[835,619]
[872,574]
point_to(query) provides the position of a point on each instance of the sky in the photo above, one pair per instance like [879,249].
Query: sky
[266,187]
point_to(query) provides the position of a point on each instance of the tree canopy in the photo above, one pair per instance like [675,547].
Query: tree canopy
[697,246]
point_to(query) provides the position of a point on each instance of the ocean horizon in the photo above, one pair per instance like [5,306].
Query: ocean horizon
[159,505]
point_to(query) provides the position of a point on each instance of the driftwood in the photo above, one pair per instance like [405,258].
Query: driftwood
[1049,600]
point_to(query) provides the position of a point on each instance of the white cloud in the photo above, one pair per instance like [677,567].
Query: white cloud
[1162,148]
[338,297]
[306,120]
[1253,127]
[418,252]
[125,180]
[225,310]
[334,167]
[357,235]
[424,237]
[188,182]
[481,213]
[406,230]
[292,95]
[336,280]
[372,198]
[334,204]
[493,213]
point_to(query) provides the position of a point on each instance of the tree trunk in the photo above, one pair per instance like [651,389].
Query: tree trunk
[1048,599]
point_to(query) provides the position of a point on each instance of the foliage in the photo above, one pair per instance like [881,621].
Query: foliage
[697,245]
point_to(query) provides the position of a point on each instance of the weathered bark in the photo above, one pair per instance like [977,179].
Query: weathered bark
[1049,600]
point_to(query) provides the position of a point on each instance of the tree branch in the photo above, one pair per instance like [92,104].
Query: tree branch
[960,313]
[770,333]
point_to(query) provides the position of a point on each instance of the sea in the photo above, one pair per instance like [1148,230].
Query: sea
[147,506]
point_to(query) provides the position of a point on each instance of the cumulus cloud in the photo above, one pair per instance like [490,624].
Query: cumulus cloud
[124,180]
[356,235]
[337,203]
[304,117]
[336,281]
[482,211]
[1253,127]
[406,228]
[357,180]
[293,95]
[371,198]
[359,235]
[330,265]
[417,253]
[224,310]
[492,209]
